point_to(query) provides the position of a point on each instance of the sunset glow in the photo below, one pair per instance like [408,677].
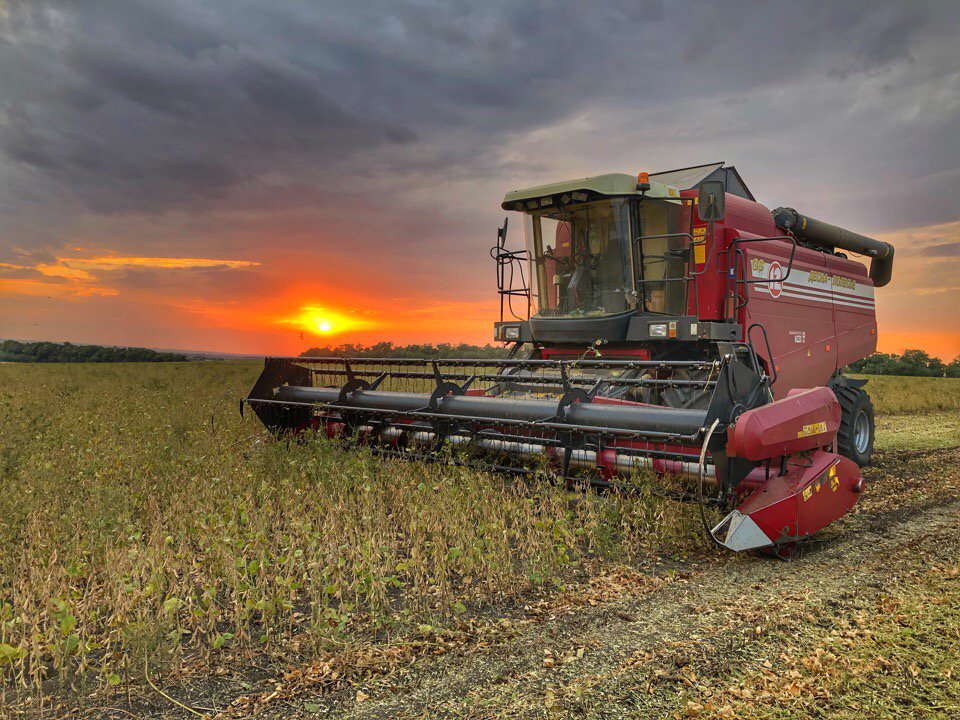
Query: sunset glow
[254,190]
[324,321]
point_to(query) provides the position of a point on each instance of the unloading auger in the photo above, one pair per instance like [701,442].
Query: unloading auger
[643,300]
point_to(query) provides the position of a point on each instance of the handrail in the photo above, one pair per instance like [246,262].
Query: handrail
[766,340]
[514,261]
[687,277]
[793,251]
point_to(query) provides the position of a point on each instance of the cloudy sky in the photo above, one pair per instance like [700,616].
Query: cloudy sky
[205,175]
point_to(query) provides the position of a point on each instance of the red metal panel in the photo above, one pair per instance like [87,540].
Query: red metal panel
[708,303]
[798,320]
[806,499]
[805,420]
[855,315]
[749,216]
[610,352]
[819,318]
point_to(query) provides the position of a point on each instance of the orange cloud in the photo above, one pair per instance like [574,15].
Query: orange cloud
[41,288]
[65,271]
[114,262]
[82,281]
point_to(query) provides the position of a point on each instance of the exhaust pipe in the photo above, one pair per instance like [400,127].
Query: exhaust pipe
[825,235]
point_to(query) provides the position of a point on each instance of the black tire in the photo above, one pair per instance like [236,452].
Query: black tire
[854,440]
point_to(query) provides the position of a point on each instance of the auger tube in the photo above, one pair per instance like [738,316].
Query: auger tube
[825,235]
[628,418]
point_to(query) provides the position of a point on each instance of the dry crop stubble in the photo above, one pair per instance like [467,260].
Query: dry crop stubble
[133,535]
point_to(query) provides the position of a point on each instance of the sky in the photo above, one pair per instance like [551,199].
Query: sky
[231,175]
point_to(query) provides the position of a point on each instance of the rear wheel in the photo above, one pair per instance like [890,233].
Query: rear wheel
[856,434]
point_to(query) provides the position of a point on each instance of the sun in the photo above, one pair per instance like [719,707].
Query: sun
[323,320]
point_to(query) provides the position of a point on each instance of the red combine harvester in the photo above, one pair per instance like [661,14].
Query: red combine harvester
[665,323]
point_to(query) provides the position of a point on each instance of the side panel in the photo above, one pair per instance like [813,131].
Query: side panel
[855,313]
[799,322]
[708,302]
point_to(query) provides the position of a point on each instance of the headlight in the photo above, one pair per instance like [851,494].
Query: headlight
[657,329]
[512,332]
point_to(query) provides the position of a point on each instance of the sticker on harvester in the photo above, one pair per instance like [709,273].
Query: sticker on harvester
[807,492]
[699,245]
[772,271]
[775,274]
[807,430]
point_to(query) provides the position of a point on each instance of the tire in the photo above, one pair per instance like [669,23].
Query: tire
[856,435]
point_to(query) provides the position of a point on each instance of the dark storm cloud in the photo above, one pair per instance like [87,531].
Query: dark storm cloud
[133,107]
[122,119]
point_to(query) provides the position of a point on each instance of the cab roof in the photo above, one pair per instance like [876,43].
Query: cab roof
[665,184]
[609,184]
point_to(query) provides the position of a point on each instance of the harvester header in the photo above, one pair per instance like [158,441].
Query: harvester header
[664,323]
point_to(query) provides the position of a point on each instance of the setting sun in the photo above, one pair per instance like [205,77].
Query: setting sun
[319,320]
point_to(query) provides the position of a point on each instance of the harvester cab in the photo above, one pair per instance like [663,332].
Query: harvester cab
[663,323]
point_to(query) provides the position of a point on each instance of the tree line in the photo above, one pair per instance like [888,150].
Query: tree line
[912,362]
[50,352]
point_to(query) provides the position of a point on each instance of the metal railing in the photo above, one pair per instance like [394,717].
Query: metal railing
[510,267]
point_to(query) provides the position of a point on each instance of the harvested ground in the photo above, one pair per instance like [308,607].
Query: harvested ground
[862,622]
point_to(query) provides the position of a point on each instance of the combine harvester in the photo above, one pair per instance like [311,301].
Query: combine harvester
[667,323]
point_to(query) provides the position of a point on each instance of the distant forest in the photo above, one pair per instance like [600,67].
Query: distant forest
[48,352]
[912,362]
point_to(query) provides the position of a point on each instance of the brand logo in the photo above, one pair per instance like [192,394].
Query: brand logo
[776,279]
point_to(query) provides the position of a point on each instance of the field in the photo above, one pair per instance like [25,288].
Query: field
[161,557]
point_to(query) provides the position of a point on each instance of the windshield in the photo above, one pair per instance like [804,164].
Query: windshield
[599,258]
[581,259]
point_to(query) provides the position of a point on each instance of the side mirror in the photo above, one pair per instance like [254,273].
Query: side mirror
[712,200]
